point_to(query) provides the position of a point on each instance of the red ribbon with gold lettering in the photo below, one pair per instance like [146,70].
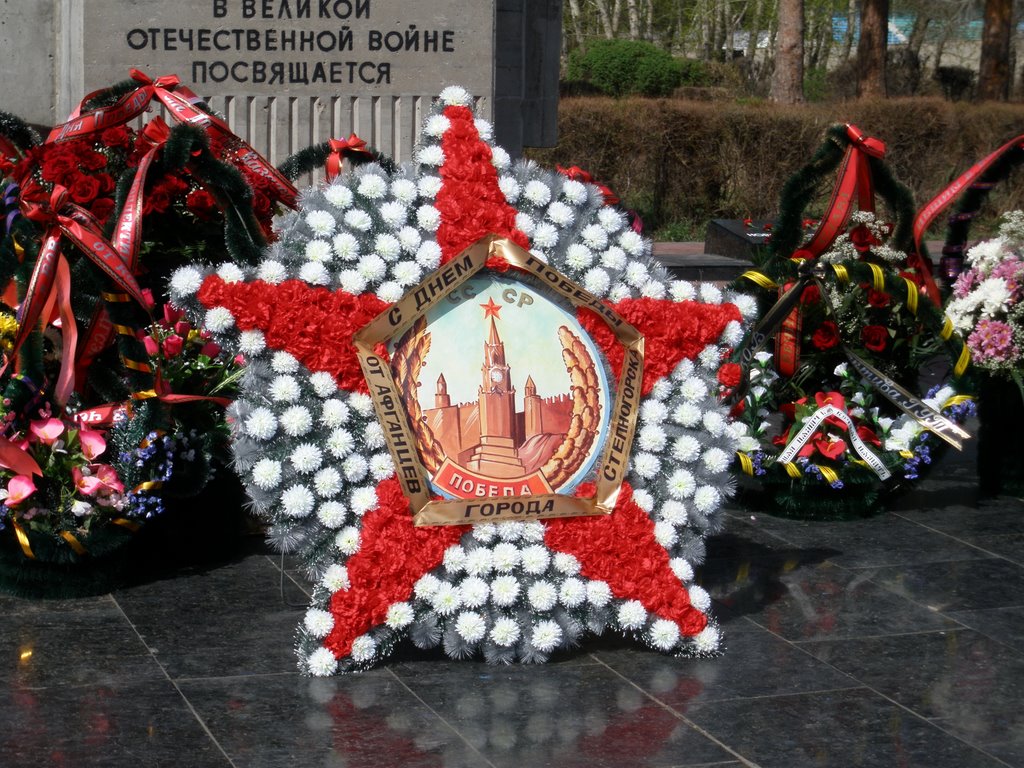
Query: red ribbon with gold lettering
[787,340]
[342,148]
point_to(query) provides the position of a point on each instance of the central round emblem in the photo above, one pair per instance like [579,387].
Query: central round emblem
[506,392]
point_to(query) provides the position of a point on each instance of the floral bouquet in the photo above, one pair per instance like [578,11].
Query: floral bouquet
[860,388]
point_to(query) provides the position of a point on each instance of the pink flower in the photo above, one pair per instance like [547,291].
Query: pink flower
[47,430]
[992,341]
[171,315]
[173,345]
[19,488]
[93,444]
[210,349]
[151,346]
[96,478]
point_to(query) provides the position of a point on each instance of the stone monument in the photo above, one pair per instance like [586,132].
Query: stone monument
[290,73]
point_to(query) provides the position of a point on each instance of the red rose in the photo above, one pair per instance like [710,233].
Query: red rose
[729,374]
[116,137]
[878,299]
[92,161]
[101,208]
[84,189]
[173,345]
[827,335]
[811,295]
[862,238]
[58,165]
[875,337]
[201,203]
[106,183]
[156,201]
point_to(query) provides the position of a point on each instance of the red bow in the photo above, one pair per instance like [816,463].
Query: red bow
[874,147]
[342,148]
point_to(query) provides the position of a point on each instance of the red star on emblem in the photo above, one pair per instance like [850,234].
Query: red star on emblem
[490,308]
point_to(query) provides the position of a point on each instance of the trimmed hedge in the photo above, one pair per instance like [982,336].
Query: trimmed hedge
[621,67]
[685,162]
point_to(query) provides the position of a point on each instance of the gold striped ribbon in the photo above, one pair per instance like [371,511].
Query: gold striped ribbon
[963,362]
[23,540]
[149,485]
[956,400]
[947,328]
[911,295]
[144,394]
[124,330]
[125,523]
[761,279]
[745,463]
[827,472]
[793,470]
[841,273]
[117,298]
[877,277]
[136,366]
[74,543]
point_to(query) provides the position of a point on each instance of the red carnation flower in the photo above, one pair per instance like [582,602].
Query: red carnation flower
[84,189]
[119,136]
[827,335]
[729,374]
[201,203]
[875,337]
[58,165]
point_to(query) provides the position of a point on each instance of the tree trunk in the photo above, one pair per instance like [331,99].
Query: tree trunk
[633,12]
[851,23]
[918,32]
[788,77]
[755,30]
[577,21]
[606,23]
[874,33]
[994,71]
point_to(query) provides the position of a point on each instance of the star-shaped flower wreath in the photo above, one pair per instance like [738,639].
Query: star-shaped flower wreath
[315,456]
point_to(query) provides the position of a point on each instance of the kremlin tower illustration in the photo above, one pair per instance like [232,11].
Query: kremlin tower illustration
[489,436]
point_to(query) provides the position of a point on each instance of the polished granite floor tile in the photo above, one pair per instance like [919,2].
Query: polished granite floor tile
[1004,625]
[853,728]
[956,586]
[369,720]
[1009,545]
[990,517]
[126,725]
[974,684]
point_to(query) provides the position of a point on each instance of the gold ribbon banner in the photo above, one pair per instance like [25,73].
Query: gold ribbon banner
[394,418]
[23,540]
[74,543]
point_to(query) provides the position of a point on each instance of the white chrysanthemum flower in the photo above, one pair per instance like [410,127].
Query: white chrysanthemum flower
[394,214]
[535,559]
[572,593]
[322,383]
[710,293]
[733,333]
[643,499]
[681,484]
[251,342]
[673,512]
[504,590]
[230,272]
[636,273]
[595,237]
[407,272]
[574,191]
[335,578]
[355,468]
[409,239]
[510,531]
[632,614]
[479,562]
[746,304]
[436,125]
[363,648]
[314,273]
[387,246]
[505,632]
[686,449]
[284,389]
[338,195]
[699,598]
[652,438]
[426,586]
[474,592]
[665,534]
[428,255]
[714,422]
[631,242]
[346,246]
[707,640]
[362,404]
[545,235]
[327,482]
[321,663]
[266,474]
[351,281]
[611,219]
[296,421]
[372,267]
[716,460]
[525,223]
[297,501]
[687,414]
[390,291]
[578,256]
[454,559]
[271,271]
[372,186]
[533,531]
[693,389]
[509,188]
[662,389]
[681,290]
[332,513]
[546,636]
[283,362]
[652,289]
[614,258]
[363,500]
[500,158]
[471,626]
[706,499]
[318,623]
[542,595]
[566,563]
[646,465]
[347,540]
[483,127]
[373,435]
[710,357]
[653,412]
[504,556]
[455,96]
[261,423]
[400,615]
[321,223]
[358,219]
[664,634]
[447,600]
[334,413]
[403,190]
[599,594]
[596,280]
[381,466]
[428,218]
[682,569]
[429,186]
[218,319]
[561,214]
[431,154]
[185,282]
